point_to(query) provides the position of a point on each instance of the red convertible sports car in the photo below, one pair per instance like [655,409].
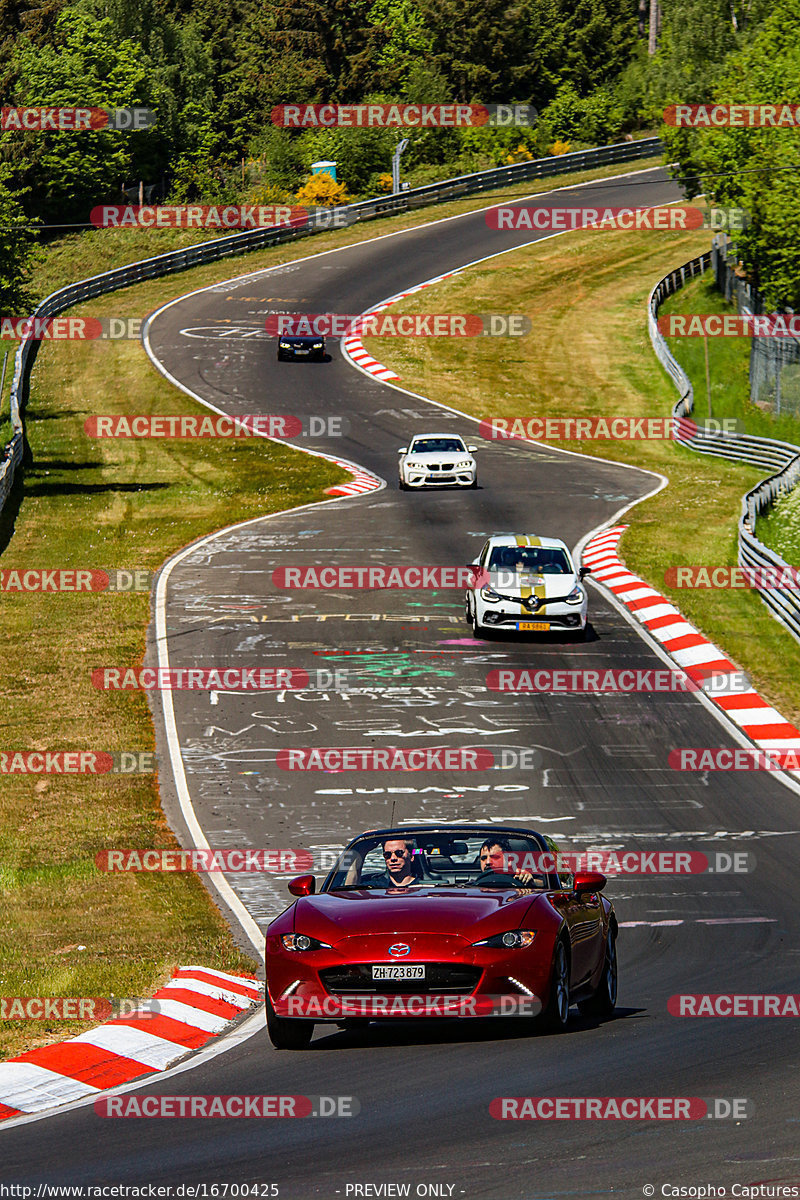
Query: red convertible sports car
[441,921]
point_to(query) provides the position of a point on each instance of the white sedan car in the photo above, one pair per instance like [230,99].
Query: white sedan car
[527,584]
[437,460]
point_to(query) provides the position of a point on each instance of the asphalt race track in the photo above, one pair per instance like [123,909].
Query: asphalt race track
[418,679]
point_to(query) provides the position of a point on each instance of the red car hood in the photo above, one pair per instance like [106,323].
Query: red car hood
[336,915]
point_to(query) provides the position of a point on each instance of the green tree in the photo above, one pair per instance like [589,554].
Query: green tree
[66,174]
[17,247]
[409,42]
[755,169]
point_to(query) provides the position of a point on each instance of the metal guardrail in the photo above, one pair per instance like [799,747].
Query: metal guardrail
[782,458]
[241,243]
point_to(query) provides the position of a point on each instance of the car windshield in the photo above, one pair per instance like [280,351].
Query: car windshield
[441,445]
[543,560]
[441,859]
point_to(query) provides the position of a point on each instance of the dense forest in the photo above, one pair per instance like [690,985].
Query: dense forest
[213,75]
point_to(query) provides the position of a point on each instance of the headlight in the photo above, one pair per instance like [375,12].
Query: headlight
[575,596]
[285,345]
[318,345]
[301,941]
[464,466]
[515,939]
[410,462]
[489,595]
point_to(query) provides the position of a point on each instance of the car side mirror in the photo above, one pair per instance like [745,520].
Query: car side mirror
[584,571]
[588,881]
[472,449]
[303,885]
[403,450]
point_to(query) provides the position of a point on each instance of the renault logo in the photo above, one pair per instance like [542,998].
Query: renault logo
[399,950]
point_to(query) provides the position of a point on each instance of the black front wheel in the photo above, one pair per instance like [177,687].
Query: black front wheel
[286,1033]
[556,1013]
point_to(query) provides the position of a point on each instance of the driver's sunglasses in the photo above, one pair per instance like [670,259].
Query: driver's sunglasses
[394,853]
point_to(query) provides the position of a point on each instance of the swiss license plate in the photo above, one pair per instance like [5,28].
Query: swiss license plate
[301,352]
[538,626]
[398,972]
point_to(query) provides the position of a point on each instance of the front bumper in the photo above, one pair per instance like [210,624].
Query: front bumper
[482,982]
[420,479]
[308,352]
[507,614]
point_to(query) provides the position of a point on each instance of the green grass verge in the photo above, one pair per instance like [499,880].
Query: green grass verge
[729,362]
[65,927]
[779,528]
[589,354]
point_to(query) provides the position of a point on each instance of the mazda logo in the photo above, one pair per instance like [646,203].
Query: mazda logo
[399,950]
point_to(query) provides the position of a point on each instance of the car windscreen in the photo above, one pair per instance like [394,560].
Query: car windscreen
[445,859]
[542,560]
[438,446]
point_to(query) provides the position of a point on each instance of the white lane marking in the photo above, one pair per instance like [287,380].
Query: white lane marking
[703,921]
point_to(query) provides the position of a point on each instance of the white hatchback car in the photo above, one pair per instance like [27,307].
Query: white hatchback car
[437,460]
[527,584]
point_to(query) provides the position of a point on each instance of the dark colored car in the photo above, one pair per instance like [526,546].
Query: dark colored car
[453,938]
[301,346]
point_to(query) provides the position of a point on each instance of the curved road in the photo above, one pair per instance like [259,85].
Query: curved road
[418,679]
